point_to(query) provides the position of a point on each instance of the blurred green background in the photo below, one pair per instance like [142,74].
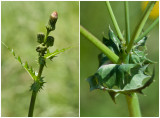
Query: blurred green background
[21,21]
[94,16]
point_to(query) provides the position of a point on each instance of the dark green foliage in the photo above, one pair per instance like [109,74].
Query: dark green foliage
[122,78]
[113,44]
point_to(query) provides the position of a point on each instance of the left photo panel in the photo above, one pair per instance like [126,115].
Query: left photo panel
[40,59]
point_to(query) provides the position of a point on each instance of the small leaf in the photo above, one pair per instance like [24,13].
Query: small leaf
[19,59]
[53,54]
[141,42]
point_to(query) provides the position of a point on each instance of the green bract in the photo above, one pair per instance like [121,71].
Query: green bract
[122,78]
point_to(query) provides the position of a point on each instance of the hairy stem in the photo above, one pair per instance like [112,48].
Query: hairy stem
[140,26]
[112,56]
[133,105]
[114,21]
[34,94]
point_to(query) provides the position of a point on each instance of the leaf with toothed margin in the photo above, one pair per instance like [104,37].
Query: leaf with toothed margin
[25,65]
[113,43]
[132,89]
[113,74]
[53,54]
[109,76]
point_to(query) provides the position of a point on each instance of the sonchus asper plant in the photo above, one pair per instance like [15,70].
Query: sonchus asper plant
[123,63]
[45,42]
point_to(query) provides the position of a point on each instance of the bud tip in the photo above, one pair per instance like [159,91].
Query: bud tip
[54,15]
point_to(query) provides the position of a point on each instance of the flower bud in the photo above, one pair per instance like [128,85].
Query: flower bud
[52,21]
[40,37]
[50,41]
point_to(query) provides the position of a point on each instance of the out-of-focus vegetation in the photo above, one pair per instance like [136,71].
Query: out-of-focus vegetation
[21,21]
[95,17]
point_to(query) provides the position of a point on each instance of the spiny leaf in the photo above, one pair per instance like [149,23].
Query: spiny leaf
[141,42]
[93,82]
[24,65]
[139,57]
[131,89]
[113,43]
[114,38]
[127,77]
[37,85]
[53,54]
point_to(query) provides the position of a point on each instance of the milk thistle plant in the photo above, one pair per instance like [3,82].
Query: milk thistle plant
[45,42]
[123,63]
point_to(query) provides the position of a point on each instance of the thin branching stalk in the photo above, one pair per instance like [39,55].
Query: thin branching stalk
[127,22]
[147,30]
[114,21]
[140,26]
[112,56]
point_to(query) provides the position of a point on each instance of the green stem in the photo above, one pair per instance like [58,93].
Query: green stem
[114,21]
[47,33]
[147,30]
[140,26]
[127,22]
[34,94]
[32,103]
[112,56]
[133,105]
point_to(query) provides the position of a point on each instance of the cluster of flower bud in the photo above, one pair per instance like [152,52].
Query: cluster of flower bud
[47,41]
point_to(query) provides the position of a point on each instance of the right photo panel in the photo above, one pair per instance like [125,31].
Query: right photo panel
[119,58]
